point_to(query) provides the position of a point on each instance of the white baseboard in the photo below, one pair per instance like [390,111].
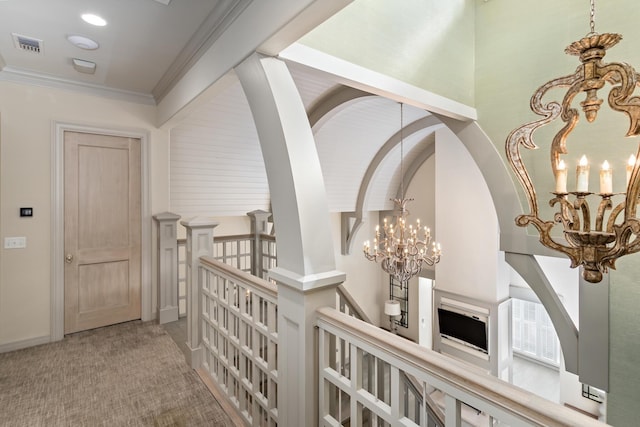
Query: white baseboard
[19,345]
[168,314]
[194,356]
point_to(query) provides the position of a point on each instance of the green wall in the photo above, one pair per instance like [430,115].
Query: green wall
[425,43]
[493,54]
[519,46]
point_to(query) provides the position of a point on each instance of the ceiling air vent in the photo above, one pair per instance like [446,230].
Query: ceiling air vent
[27,43]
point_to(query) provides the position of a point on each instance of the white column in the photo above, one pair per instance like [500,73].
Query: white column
[167,267]
[298,300]
[306,273]
[199,243]
[593,338]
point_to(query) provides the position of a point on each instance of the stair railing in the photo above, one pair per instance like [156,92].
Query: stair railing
[461,385]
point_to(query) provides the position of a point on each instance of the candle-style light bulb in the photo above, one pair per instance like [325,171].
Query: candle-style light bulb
[561,177]
[606,184]
[630,164]
[582,175]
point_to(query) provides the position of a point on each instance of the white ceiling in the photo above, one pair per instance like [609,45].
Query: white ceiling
[148,45]
[145,46]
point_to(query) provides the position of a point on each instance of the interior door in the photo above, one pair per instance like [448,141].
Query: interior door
[102,230]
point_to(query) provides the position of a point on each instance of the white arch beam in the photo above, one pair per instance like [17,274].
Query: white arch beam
[527,266]
[351,221]
[428,151]
[519,247]
[296,184]
[306,273]
[328,105]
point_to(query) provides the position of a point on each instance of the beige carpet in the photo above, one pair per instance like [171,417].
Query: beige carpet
[131,374]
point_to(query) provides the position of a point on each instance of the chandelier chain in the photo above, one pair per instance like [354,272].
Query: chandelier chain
[401,151]
[592,18]
[402,249]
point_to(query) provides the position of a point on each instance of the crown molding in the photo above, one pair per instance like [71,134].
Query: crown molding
[16,75]
[213,26]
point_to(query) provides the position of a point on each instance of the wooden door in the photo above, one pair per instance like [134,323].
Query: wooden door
[102,230]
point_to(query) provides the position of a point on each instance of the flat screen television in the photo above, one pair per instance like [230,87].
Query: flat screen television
[466,329]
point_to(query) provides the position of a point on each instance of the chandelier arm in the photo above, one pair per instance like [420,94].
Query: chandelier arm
[524,134]
[568,115]
[430,261]
[567,214]
[517,137]
[549,109]
[621,97]
[559,144]
[582,205]
[633,190]
[613,216]
[622,247]
[633,227]
[605,204]
[544,229]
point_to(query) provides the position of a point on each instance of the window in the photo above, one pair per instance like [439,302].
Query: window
[533,333]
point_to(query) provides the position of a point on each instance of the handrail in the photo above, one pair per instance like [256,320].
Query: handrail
[264,285]
[461,381]
[432,407]
[351,302]
[238,324]
[434,410]
[234,237]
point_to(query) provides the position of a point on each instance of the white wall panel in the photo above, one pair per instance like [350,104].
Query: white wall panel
[216,162]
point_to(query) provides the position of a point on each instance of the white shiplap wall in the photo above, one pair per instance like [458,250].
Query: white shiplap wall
[217,167]
[349,142]
[386,180]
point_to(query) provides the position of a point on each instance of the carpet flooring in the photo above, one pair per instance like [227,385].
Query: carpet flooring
[131,374]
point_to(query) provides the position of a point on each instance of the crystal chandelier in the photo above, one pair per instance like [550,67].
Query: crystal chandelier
[402,251]
[594,245]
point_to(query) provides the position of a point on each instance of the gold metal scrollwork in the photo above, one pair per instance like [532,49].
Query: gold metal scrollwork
[593,246]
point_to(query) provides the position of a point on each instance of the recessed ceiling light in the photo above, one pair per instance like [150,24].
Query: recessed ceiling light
[92,19]
[82,42]
[83,66]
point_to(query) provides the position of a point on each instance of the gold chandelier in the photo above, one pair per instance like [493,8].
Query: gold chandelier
[402,251]
[593,245]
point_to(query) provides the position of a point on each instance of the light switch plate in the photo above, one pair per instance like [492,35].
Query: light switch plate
[15,242]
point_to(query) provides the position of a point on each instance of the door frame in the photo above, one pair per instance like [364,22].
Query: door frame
[57,220]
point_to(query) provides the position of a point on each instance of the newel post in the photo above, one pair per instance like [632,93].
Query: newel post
[259,225]
[199,243]
[167,266]
[298,299]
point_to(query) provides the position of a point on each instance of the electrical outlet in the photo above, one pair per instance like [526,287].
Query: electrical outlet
[15,242]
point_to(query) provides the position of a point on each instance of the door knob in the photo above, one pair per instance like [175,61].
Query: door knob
[68,259]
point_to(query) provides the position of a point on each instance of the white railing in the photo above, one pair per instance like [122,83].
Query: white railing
[348,305]
[182,277]
[240,339]
[366,376]
[268,254]
[232,250]
[412,392]
[352,393]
